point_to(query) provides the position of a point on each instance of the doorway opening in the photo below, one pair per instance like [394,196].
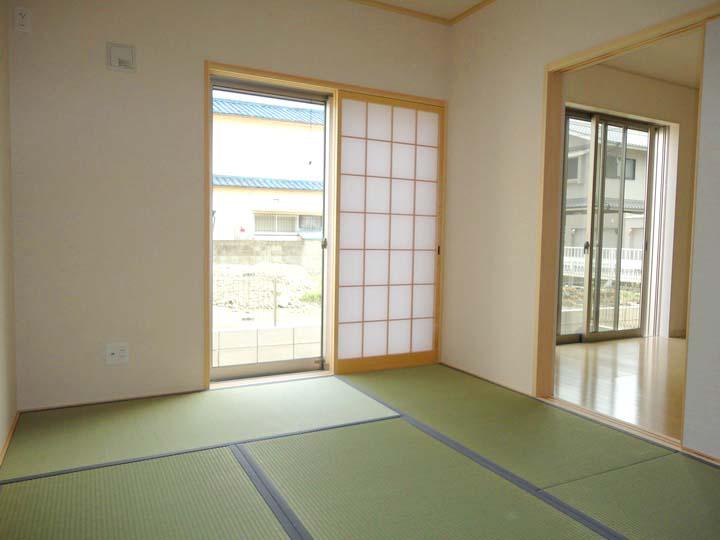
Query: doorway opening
[268,223]
[630,127]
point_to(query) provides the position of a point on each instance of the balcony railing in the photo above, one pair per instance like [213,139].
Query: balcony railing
[256,345]
[631,264]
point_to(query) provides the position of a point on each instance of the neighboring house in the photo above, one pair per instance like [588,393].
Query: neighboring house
[256,195]
[261,208]
[579,180]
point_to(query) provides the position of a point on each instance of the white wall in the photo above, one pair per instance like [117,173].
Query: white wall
[108,221]
[235,209]
[249,147]
[108,169]
[661,101]
[494,168]
[702,401]
[7,337]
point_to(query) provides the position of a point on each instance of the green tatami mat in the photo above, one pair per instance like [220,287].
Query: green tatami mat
[542,444]
[665,499]
[388,480]
[80,436]
[199,495]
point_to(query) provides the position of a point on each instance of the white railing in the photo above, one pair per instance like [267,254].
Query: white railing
[631,264]
[270,344]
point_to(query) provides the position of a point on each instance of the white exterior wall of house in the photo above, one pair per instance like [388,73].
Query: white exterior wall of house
[235,208]
[245,146]
[263,148]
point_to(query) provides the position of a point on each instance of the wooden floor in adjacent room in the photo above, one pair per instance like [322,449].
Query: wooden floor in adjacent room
[638,380]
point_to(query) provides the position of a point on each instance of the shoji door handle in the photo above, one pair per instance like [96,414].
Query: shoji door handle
[586,247]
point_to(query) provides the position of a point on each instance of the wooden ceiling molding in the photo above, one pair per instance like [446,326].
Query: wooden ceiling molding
[448,21]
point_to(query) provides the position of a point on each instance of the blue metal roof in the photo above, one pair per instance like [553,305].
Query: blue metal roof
[269,112]
[266,183]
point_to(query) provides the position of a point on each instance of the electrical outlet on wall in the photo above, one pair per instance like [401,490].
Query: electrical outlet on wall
[117,353]
[120,57]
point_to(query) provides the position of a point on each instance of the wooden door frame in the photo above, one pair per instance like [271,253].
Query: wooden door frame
[333,89]
[551,181]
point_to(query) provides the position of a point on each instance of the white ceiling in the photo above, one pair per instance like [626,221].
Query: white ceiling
[677,60]
[447,9]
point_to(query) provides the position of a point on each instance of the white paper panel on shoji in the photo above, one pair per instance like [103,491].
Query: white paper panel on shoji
[388,229]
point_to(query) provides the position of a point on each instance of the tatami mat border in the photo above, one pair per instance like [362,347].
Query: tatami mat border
[532,489]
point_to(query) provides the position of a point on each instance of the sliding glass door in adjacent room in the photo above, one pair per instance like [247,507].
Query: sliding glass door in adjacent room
[604,227]
[268,232]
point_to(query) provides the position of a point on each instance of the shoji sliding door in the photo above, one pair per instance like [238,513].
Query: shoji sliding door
[390,193]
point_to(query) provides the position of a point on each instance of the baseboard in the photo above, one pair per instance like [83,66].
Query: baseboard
[633,429]
[495,383]
[379,363]
[117,400]
[714,460]
[6,444]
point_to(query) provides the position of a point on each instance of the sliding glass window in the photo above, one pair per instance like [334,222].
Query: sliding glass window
[268,201]
[603,252]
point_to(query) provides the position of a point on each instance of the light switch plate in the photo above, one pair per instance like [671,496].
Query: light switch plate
[117,353]
[120,57]
[23,19]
